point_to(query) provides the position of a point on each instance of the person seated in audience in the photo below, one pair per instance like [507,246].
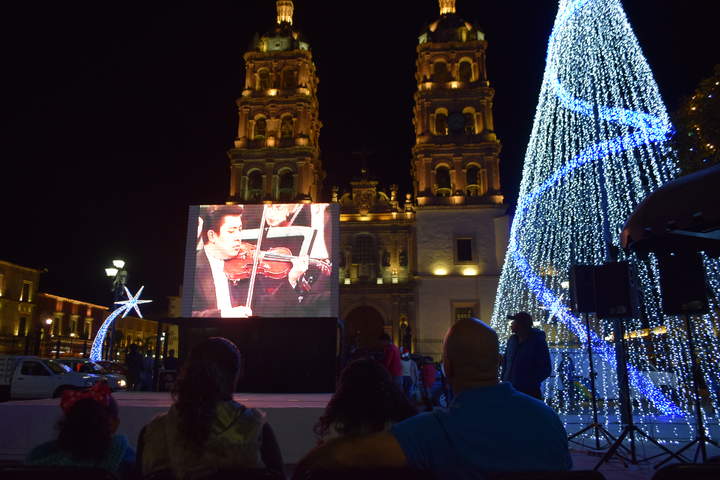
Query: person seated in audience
[489,426]
[86,436]
[205,431]
[366,401]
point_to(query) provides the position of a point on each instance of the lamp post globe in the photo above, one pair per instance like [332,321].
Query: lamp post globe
[119,275]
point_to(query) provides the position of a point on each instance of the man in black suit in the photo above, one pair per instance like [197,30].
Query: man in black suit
[214,295]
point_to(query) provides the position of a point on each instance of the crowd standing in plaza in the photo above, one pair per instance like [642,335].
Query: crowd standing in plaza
[371,421]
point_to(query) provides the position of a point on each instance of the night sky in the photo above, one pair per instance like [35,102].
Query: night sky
[118,115]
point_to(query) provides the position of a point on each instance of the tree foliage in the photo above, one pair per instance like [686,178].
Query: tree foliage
[698,126]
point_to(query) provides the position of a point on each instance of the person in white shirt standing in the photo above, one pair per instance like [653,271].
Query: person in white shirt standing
[410,374]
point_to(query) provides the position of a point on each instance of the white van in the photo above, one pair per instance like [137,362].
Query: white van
[23,377]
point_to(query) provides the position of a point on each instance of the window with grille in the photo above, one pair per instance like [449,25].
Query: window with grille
[463,250]
[462,313]
[364,254]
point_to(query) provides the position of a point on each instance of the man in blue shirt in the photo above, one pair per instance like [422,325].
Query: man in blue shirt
[489,427]
[527,359]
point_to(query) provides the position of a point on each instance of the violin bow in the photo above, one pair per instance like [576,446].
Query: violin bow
[256,259]
[295,214]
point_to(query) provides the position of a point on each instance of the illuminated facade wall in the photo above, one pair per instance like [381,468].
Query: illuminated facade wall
[18,303]
[377,239]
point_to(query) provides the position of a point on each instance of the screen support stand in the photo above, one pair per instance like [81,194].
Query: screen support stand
[630,431]
[597,429]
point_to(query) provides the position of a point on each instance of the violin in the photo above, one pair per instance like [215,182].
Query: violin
[273,263]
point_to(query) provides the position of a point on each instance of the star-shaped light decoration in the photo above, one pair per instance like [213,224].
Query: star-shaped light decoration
[132,302]
[124,307]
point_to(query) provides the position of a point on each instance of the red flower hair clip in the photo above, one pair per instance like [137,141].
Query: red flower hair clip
[100,392]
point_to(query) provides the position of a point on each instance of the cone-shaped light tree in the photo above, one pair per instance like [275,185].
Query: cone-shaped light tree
[599,145]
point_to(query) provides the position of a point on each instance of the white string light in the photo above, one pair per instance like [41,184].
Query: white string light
[598,146]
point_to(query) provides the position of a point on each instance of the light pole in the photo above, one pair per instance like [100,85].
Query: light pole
[119,275]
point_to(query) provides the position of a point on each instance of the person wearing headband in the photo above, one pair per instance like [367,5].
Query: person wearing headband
[87,435]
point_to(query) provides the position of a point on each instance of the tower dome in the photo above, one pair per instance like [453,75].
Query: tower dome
[450,27]
[282,37]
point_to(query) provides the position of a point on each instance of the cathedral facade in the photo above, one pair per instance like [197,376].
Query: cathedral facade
[410,264]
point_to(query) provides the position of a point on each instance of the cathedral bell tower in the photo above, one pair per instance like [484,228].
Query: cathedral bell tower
[276,156]
[455,157]
[461,225]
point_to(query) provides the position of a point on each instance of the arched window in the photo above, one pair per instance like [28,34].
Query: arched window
[286,186]
[469,123]
[473,179]
[286,127]
[441,73]
[441,125]
[465,72]
[442,178]
[289,79]
[255,185]
[364,255]
[263,79]
[260,127]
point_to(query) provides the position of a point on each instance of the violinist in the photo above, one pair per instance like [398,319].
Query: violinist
[214,294]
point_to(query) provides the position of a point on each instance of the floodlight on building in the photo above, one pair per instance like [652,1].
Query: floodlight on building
[119,264]
[440,271]
[470,271]
[111,271]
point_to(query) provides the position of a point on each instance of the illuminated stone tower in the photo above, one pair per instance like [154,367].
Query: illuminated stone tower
[455,157]
[461,225]
[276,156]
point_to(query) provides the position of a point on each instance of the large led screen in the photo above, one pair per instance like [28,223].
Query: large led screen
[274,260]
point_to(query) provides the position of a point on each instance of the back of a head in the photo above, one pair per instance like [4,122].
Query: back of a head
[208,378]
[471,350]
[366,400]
[86,430]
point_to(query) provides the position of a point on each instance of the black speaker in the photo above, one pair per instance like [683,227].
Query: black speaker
[612,290]
[682,283]
[582,288]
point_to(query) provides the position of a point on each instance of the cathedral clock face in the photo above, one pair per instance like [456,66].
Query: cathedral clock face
[456,122]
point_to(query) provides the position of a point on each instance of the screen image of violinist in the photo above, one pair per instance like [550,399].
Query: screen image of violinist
[273,260]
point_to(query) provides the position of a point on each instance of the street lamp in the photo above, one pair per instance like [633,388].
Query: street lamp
[119,275]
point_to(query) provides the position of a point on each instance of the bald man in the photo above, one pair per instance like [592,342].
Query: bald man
[489,427]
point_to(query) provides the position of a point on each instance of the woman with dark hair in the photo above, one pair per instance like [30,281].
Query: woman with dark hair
[87,435]
[205,431]
[366,401]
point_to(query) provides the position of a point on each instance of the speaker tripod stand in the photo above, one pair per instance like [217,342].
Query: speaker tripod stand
[630,431]
[701,438]
[597,429]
